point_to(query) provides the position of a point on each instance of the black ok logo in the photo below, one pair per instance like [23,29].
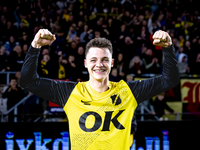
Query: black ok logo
[98,121]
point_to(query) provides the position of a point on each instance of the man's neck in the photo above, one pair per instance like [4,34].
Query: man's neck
[99,86]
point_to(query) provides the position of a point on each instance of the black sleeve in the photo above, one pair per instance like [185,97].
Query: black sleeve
[145,89]
[56,91]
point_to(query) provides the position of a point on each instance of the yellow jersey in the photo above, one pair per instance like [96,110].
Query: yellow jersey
[100,121]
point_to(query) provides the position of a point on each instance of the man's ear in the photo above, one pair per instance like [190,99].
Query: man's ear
[85,63]
[112,63]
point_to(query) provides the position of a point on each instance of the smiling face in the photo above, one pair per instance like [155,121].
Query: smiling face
[99,62]
[13,83]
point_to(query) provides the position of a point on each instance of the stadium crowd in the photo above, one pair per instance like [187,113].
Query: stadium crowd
[128,24]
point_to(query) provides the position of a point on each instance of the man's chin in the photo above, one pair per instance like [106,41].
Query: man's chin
[99,78]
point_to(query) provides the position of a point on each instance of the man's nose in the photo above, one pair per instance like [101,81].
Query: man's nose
[99,63]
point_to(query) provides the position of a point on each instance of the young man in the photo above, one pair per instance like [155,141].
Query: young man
[99,111]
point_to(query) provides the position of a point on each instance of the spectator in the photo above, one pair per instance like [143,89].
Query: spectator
[114,75]
[17,76]
[111,27]
[122,33]
[24,39]
[132,33]
[143,36]
[10,44]
[177,26]
[86,35]
[44,51]
[71,34]
[116,8]
[79,28]
[187,46]
[136,66]
[85,8]
[13,94]
[62,66]
[70,8]
[127,18]
[140,51]
[61,4]
[138,22]
[121,66]
[160,22]
[151,63]
[24,24]
[151,25]
[187,27]
[77,41]
[160,105]
[97,25]
[126,5]
[65,14]
[191,52]
[97,34]
[60,43]
[58,23]
[45,67]
[176,44]
[72,68]
[3,33]
[3,59]
[10,29]
[71,49]
[80,56]
[16,58]
[180,50]
[128,48]
[181,40]
[25,48]
[183,64]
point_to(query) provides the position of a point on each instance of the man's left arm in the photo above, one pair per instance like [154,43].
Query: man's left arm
[146,89]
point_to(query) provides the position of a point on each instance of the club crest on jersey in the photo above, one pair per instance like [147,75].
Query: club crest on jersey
[116,100]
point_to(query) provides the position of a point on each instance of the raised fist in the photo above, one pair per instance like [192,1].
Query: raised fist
[162,38]
[43,37]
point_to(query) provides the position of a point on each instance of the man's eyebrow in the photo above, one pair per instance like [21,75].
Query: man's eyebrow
[96,58]
[93,58]
[105,57]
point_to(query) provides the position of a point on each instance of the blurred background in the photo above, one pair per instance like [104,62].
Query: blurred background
[129,25]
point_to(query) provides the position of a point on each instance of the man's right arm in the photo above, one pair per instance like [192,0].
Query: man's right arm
[55,91]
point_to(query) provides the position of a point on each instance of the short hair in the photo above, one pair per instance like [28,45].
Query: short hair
[13,78]
[100,43]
